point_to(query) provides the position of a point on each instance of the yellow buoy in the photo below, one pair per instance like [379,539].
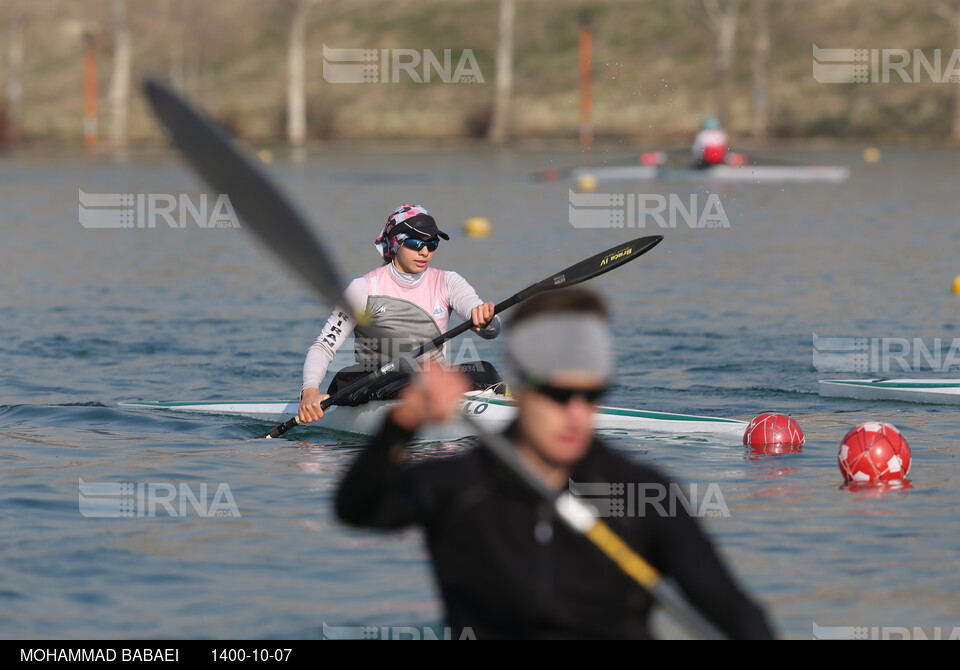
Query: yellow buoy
[477,226]
[956,284]
[587,183]
[871,155]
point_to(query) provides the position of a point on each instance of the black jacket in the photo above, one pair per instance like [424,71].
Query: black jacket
[507,567]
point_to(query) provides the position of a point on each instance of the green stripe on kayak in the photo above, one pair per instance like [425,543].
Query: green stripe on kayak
[897,385]
[616,411]
[186,403]
[635,413]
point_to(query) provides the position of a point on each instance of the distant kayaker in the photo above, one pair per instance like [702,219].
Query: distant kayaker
[410,304]
[710,144]
[506,566]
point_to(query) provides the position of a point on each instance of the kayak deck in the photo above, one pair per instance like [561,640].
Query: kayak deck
[493,411]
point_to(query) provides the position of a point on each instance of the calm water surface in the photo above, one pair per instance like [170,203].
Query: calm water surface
[712,321]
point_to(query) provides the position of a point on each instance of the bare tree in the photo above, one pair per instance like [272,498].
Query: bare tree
[949,11]
[720,17]
[499,124]
[176,44]
[296,73]
[586,82]
[90,128]
[120,77]
[185,24]
[760,67]
[14,92]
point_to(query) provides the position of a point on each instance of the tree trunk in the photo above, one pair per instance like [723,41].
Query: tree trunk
[586,83]
[296,76]
[726,42]
[177,68]
[761,62]
[955,135]
[14,75]
[949,11]
[499,123]
[120,77]
[90,129]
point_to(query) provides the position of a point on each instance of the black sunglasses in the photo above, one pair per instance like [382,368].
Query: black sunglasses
[563,394]
[417,245]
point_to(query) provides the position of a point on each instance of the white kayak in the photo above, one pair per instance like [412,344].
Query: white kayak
[493,411]
[935,391]
[758,174]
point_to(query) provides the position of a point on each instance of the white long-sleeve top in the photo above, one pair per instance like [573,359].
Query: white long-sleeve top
[438,292]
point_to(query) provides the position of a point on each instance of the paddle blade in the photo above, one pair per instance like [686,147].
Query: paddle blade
[596,265]
[257,201]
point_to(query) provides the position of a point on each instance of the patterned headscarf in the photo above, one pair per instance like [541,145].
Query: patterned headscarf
[388,244]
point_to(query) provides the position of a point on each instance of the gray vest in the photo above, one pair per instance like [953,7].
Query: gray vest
[397,327]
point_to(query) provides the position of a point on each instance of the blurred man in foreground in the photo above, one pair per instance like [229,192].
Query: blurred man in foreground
[506,566]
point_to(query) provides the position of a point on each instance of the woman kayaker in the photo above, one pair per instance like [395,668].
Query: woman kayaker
[409,302]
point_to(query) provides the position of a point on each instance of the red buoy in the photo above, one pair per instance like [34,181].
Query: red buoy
[874,452]
[737,160]
[773,434]
[653,158]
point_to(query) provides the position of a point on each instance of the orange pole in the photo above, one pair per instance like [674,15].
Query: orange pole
[586,71]
[89,92]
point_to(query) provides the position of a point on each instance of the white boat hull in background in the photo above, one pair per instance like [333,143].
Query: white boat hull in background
[758,174]
[933,391]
